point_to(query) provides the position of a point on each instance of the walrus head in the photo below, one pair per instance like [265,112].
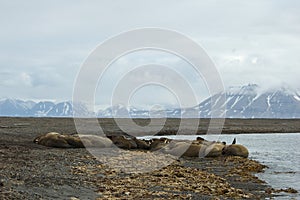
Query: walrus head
[235,150]
[37,139]
[200,139]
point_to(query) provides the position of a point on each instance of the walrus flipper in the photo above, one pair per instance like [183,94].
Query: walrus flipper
[234,141]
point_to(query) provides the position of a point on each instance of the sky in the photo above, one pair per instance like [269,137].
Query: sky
[43,44]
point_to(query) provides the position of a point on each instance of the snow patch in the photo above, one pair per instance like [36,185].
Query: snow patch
[297,97]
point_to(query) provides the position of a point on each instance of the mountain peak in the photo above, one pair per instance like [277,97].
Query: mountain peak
[243,90]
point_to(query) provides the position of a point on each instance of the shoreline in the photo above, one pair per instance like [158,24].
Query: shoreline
[171,126]
[34,171]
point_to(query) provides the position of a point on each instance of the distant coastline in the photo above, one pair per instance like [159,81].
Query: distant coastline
[231,126]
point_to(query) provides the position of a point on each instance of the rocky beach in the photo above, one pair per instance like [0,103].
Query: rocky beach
[29,170]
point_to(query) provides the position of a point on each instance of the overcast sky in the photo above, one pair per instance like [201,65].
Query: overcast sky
[44,43]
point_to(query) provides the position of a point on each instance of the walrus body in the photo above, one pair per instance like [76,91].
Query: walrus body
[186,149]
[157,144]
[70,141]
[52,139]
[214,150]
[235,150]
[141,144]
[177,149]
[95,141]
[74,141]
[123,143]
[194,150]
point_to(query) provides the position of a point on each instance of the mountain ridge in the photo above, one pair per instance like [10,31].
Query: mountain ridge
[241,102]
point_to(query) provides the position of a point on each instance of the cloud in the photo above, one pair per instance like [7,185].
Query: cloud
[26,79]
[43,44]
[150,67]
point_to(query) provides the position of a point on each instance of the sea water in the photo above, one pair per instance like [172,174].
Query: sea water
[279,151]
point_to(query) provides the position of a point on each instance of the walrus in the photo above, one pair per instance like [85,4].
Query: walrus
[141,144]
[200,138]
[57,140]
[214,149]
[158,143]
[122,142]
[95,141]
[186,149]
[52,139]
[235,150]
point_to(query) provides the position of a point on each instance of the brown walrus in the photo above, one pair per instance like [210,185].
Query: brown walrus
[214,149]
[54,139]
[123,142]
[186,149]
[73,140]
[235,150]
[95,141]
[158,143]
[141,144]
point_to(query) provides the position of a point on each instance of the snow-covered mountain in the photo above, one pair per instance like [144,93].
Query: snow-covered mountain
[240,102]
[41,109]
[62,109]
[12,107]
[122,111]
[116,110]
[248,102]
[20,108]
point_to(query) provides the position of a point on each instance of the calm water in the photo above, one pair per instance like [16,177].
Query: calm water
[280,152]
